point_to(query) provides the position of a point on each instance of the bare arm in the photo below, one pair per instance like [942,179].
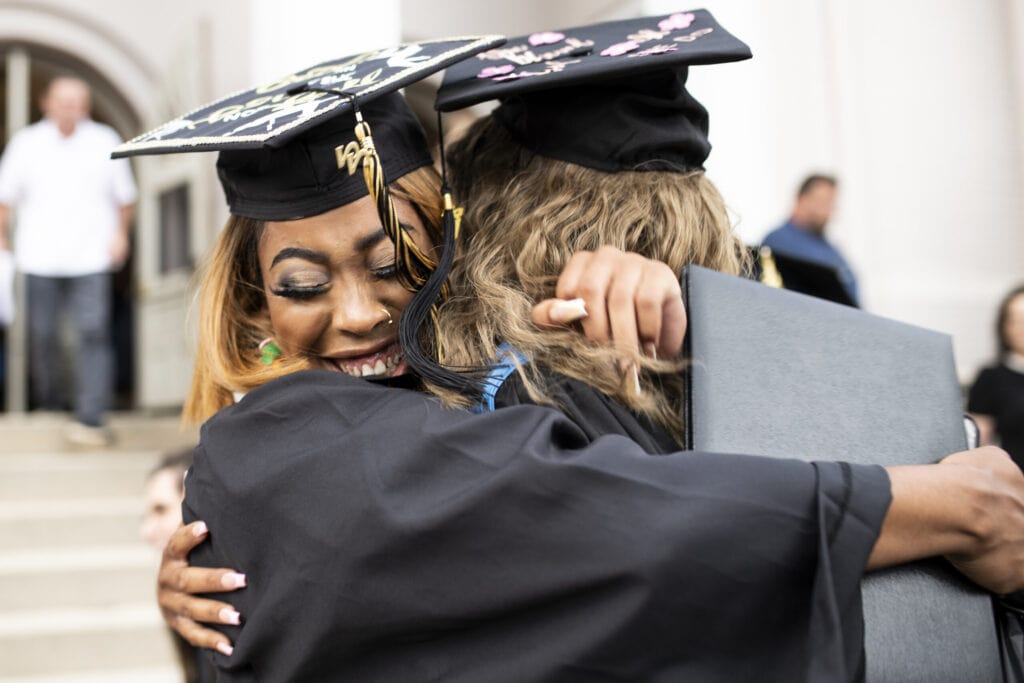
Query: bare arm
[5,222]
[968,508]
[119,245]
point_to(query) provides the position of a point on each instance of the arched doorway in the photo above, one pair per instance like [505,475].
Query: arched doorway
[27,69]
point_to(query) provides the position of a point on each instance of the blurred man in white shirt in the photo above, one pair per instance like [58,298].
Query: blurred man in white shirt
[74,208]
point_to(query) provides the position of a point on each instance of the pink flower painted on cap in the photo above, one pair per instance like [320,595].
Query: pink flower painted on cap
[545,38]
[492,71]
[676,21]
[620,48]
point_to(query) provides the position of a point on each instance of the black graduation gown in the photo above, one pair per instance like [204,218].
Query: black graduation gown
[386,538]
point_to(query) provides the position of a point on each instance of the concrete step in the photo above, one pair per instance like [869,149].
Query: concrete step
[42,432]
[77,578]
[77,584]
[69,522]
[60,643]
[166,674]
[55,476]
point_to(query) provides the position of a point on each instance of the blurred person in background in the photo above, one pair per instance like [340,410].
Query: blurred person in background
[996,399]
[164,492]
[803,235]
[74,209]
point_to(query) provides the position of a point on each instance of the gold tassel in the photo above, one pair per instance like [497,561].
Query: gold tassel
[415,266]
[769,271]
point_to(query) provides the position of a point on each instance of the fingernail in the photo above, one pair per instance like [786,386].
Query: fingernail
[199,529]
[630,376]
[233,580]
[230,616]
[651,350]
[225,649]
[568,311]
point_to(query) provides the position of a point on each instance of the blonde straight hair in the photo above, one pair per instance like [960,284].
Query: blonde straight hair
[526,215]
[233,317]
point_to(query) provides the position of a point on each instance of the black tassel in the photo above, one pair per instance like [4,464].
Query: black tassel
[418,328]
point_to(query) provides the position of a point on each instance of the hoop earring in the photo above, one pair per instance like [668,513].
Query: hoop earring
[269,351]
[391,321]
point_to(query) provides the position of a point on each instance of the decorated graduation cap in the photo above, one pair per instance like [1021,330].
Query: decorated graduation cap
[325,137]
[608,96]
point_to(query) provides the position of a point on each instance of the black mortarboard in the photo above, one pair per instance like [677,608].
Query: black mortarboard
[608,96]
[800,275]
[278,141]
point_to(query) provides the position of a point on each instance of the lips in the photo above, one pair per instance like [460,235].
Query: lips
[385,363]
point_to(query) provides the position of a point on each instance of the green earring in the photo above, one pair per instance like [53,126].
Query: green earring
[269,351]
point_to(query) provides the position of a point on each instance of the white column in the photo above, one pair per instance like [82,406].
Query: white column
[17,97]
[773,117]
[288,36]
[919,109]
[933,213]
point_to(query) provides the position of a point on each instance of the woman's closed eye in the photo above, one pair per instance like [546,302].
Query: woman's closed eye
[385,272]
[300,286]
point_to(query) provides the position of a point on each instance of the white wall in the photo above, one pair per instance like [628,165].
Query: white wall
[288,36]
[917,106]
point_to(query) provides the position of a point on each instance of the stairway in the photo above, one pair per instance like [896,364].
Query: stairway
[76,584]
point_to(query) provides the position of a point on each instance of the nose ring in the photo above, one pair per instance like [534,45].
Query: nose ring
[391,321]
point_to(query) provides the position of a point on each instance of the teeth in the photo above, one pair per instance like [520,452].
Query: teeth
[382,366]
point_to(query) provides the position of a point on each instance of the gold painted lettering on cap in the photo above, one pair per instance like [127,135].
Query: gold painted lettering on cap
[351,156]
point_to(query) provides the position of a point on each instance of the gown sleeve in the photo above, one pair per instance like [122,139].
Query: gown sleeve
[387,538]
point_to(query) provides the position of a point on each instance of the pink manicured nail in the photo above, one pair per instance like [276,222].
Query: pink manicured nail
[567,311]
[199,529]
[230,616]
[233,580]
[225,649]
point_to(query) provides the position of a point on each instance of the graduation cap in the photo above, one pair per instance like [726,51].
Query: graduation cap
[302,145]
[799,275]
[285,146]
[608,96]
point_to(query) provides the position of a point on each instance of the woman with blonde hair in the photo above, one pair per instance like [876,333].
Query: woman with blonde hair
[528,218]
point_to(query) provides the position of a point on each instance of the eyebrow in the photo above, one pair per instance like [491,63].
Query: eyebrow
[298,252]
[364,244]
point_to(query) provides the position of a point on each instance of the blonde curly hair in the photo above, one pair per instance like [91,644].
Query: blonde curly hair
[525,216]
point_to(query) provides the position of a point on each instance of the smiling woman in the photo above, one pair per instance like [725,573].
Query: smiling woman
[332,288]
[333,227]
[325,287]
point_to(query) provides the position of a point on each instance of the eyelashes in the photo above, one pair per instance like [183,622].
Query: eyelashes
[299,293]
[386,272]
[305,292]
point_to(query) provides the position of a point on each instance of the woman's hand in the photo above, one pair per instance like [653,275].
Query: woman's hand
[630,301]
[969,508]
[995,559]
[177,584]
